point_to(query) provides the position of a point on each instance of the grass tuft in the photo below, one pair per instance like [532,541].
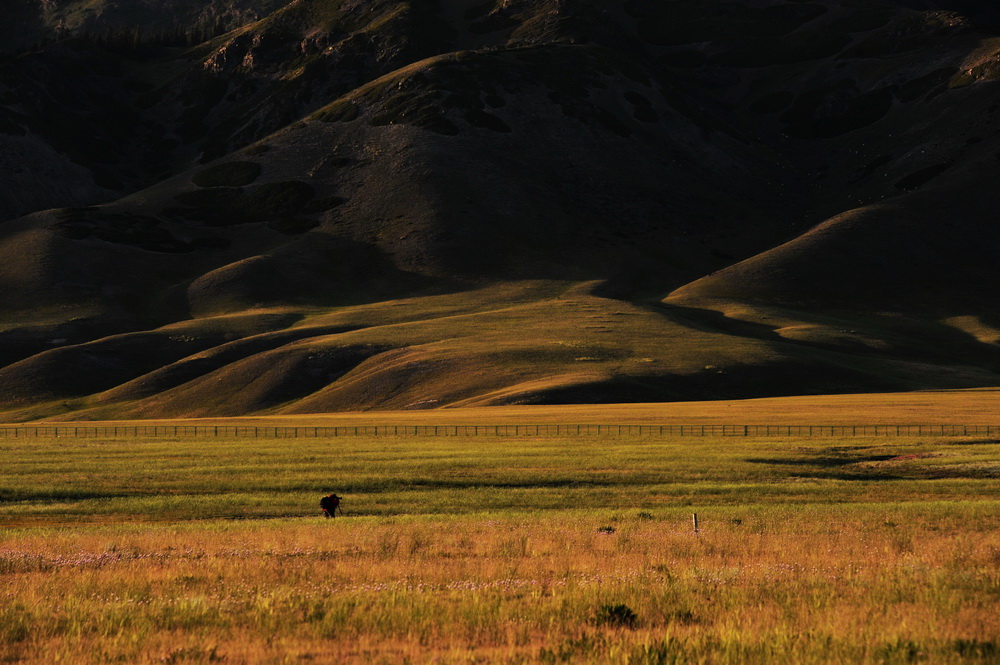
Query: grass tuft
[618,616]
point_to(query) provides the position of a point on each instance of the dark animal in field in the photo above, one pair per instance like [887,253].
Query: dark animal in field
[330,504]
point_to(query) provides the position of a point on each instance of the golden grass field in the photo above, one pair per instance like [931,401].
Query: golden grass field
[502,550]
[928,407]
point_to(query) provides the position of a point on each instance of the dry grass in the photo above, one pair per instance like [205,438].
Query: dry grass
[975,406]
[474,550]
[891,584]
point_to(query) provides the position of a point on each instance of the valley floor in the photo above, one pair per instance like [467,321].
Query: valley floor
[546,549]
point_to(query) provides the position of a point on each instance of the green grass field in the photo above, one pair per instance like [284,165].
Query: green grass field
[492,549]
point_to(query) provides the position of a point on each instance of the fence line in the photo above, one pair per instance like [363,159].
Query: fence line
[299,432]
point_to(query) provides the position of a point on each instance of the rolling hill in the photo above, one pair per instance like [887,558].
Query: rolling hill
[223,207]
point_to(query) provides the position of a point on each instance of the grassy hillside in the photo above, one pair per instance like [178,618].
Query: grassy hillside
[522,345]
[611,201]
[953,407]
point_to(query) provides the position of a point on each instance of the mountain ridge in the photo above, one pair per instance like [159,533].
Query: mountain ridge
[804,186]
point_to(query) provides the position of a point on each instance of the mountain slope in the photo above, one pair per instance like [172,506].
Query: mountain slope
[234,225]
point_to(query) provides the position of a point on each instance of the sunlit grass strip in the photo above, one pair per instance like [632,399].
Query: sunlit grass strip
[50,481]
[821,585]
[948,406]
[54,481]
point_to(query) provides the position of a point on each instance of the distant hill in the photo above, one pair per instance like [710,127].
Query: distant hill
[228,207]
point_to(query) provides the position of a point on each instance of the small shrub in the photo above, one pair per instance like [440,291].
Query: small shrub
[682,616]
[605,529]
[905,651]
[976,649]
[619,616]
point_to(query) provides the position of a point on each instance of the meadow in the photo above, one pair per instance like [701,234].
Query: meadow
[496,549]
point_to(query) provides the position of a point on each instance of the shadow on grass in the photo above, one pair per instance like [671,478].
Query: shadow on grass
[836,467]
[477,483]
[18,496]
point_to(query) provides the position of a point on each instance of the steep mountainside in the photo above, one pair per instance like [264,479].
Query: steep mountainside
[236,206]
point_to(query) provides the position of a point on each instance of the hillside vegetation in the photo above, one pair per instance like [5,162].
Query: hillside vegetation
[232,207]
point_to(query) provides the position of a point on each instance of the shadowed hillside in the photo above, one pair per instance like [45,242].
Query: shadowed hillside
[324,205]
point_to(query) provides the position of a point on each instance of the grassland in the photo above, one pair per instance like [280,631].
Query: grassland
[492,549]
[927,407]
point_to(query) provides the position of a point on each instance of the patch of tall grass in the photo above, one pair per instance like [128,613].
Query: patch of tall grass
[820,585]
[490,549]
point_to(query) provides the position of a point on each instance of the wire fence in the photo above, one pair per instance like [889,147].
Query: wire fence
[320,432]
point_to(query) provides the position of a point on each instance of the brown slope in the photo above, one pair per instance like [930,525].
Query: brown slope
[573,347]
[475,190]
[925,253]
[912,280]
[192,367]
[75,370]
[102,113]
[578,141]
[907,271]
